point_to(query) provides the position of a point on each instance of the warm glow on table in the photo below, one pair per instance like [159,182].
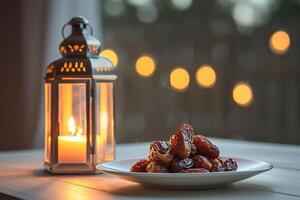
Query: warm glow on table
[206,76]
[72,148]
[280,42]
[242,94]
[179,79]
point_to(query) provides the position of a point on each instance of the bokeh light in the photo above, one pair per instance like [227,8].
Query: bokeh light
[147,13]
[138,3]
[245,14]
[145,66]
[114,8]
[182,4]
[242,94]
[110,55]
[179,79]
[206,76]
[248,14]
[280,42]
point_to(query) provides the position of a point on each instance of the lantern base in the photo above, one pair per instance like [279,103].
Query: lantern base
[68,168]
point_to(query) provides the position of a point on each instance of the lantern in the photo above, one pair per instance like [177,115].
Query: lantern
[79,104]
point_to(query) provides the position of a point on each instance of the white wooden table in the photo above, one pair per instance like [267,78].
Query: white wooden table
[22,176]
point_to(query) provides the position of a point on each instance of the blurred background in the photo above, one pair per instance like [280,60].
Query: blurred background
[230,68]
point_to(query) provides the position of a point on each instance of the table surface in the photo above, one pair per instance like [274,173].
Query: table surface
[22,175]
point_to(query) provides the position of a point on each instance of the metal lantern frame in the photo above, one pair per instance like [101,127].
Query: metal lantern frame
[80,64]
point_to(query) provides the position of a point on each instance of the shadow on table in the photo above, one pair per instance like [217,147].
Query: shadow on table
[7,197]
[228,191]
[40,173]
[45,173]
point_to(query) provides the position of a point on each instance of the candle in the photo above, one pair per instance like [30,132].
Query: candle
[72,148]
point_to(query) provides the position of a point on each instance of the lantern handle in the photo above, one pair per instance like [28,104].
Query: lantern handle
[64,26]
[91,28]
[62,30]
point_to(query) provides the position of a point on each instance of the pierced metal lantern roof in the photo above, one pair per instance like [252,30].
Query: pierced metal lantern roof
[80,51]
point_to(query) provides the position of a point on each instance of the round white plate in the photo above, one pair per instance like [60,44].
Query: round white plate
[246,169]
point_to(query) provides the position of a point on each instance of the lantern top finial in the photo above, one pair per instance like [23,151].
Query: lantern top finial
[80,53]
[79,20]
[80,41]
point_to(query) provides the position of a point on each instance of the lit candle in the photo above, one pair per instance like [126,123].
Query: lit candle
[72,149]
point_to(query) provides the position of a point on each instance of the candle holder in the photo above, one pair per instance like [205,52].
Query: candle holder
[79,104]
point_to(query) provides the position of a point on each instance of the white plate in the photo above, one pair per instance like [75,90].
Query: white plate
[246,169]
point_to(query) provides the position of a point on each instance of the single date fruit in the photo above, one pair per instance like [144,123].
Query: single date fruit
[202,162]
[161,152]
[140,166]
[217,165]
[157,168]
[205,147]
[182,141]
[229,164]
[177,165]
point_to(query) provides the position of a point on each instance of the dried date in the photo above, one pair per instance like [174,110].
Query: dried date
[229,164]
[157,168]
[177,165]
[140,166]
[161,152]
[202,162]
[217,165]
[205,147]
[184,153]
[182,141]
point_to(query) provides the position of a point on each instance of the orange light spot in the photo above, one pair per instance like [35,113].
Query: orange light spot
[242,94]
[206,76]
[179,79]
[145,66]
[280,42]
[110,55]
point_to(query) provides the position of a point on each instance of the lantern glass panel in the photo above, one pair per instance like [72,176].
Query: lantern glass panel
[72,119]
[47,122]
[104,121]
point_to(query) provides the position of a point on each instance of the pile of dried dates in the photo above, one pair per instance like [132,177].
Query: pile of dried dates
[184,153]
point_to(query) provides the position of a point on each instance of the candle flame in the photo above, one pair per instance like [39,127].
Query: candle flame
[71,123]
[72,127]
